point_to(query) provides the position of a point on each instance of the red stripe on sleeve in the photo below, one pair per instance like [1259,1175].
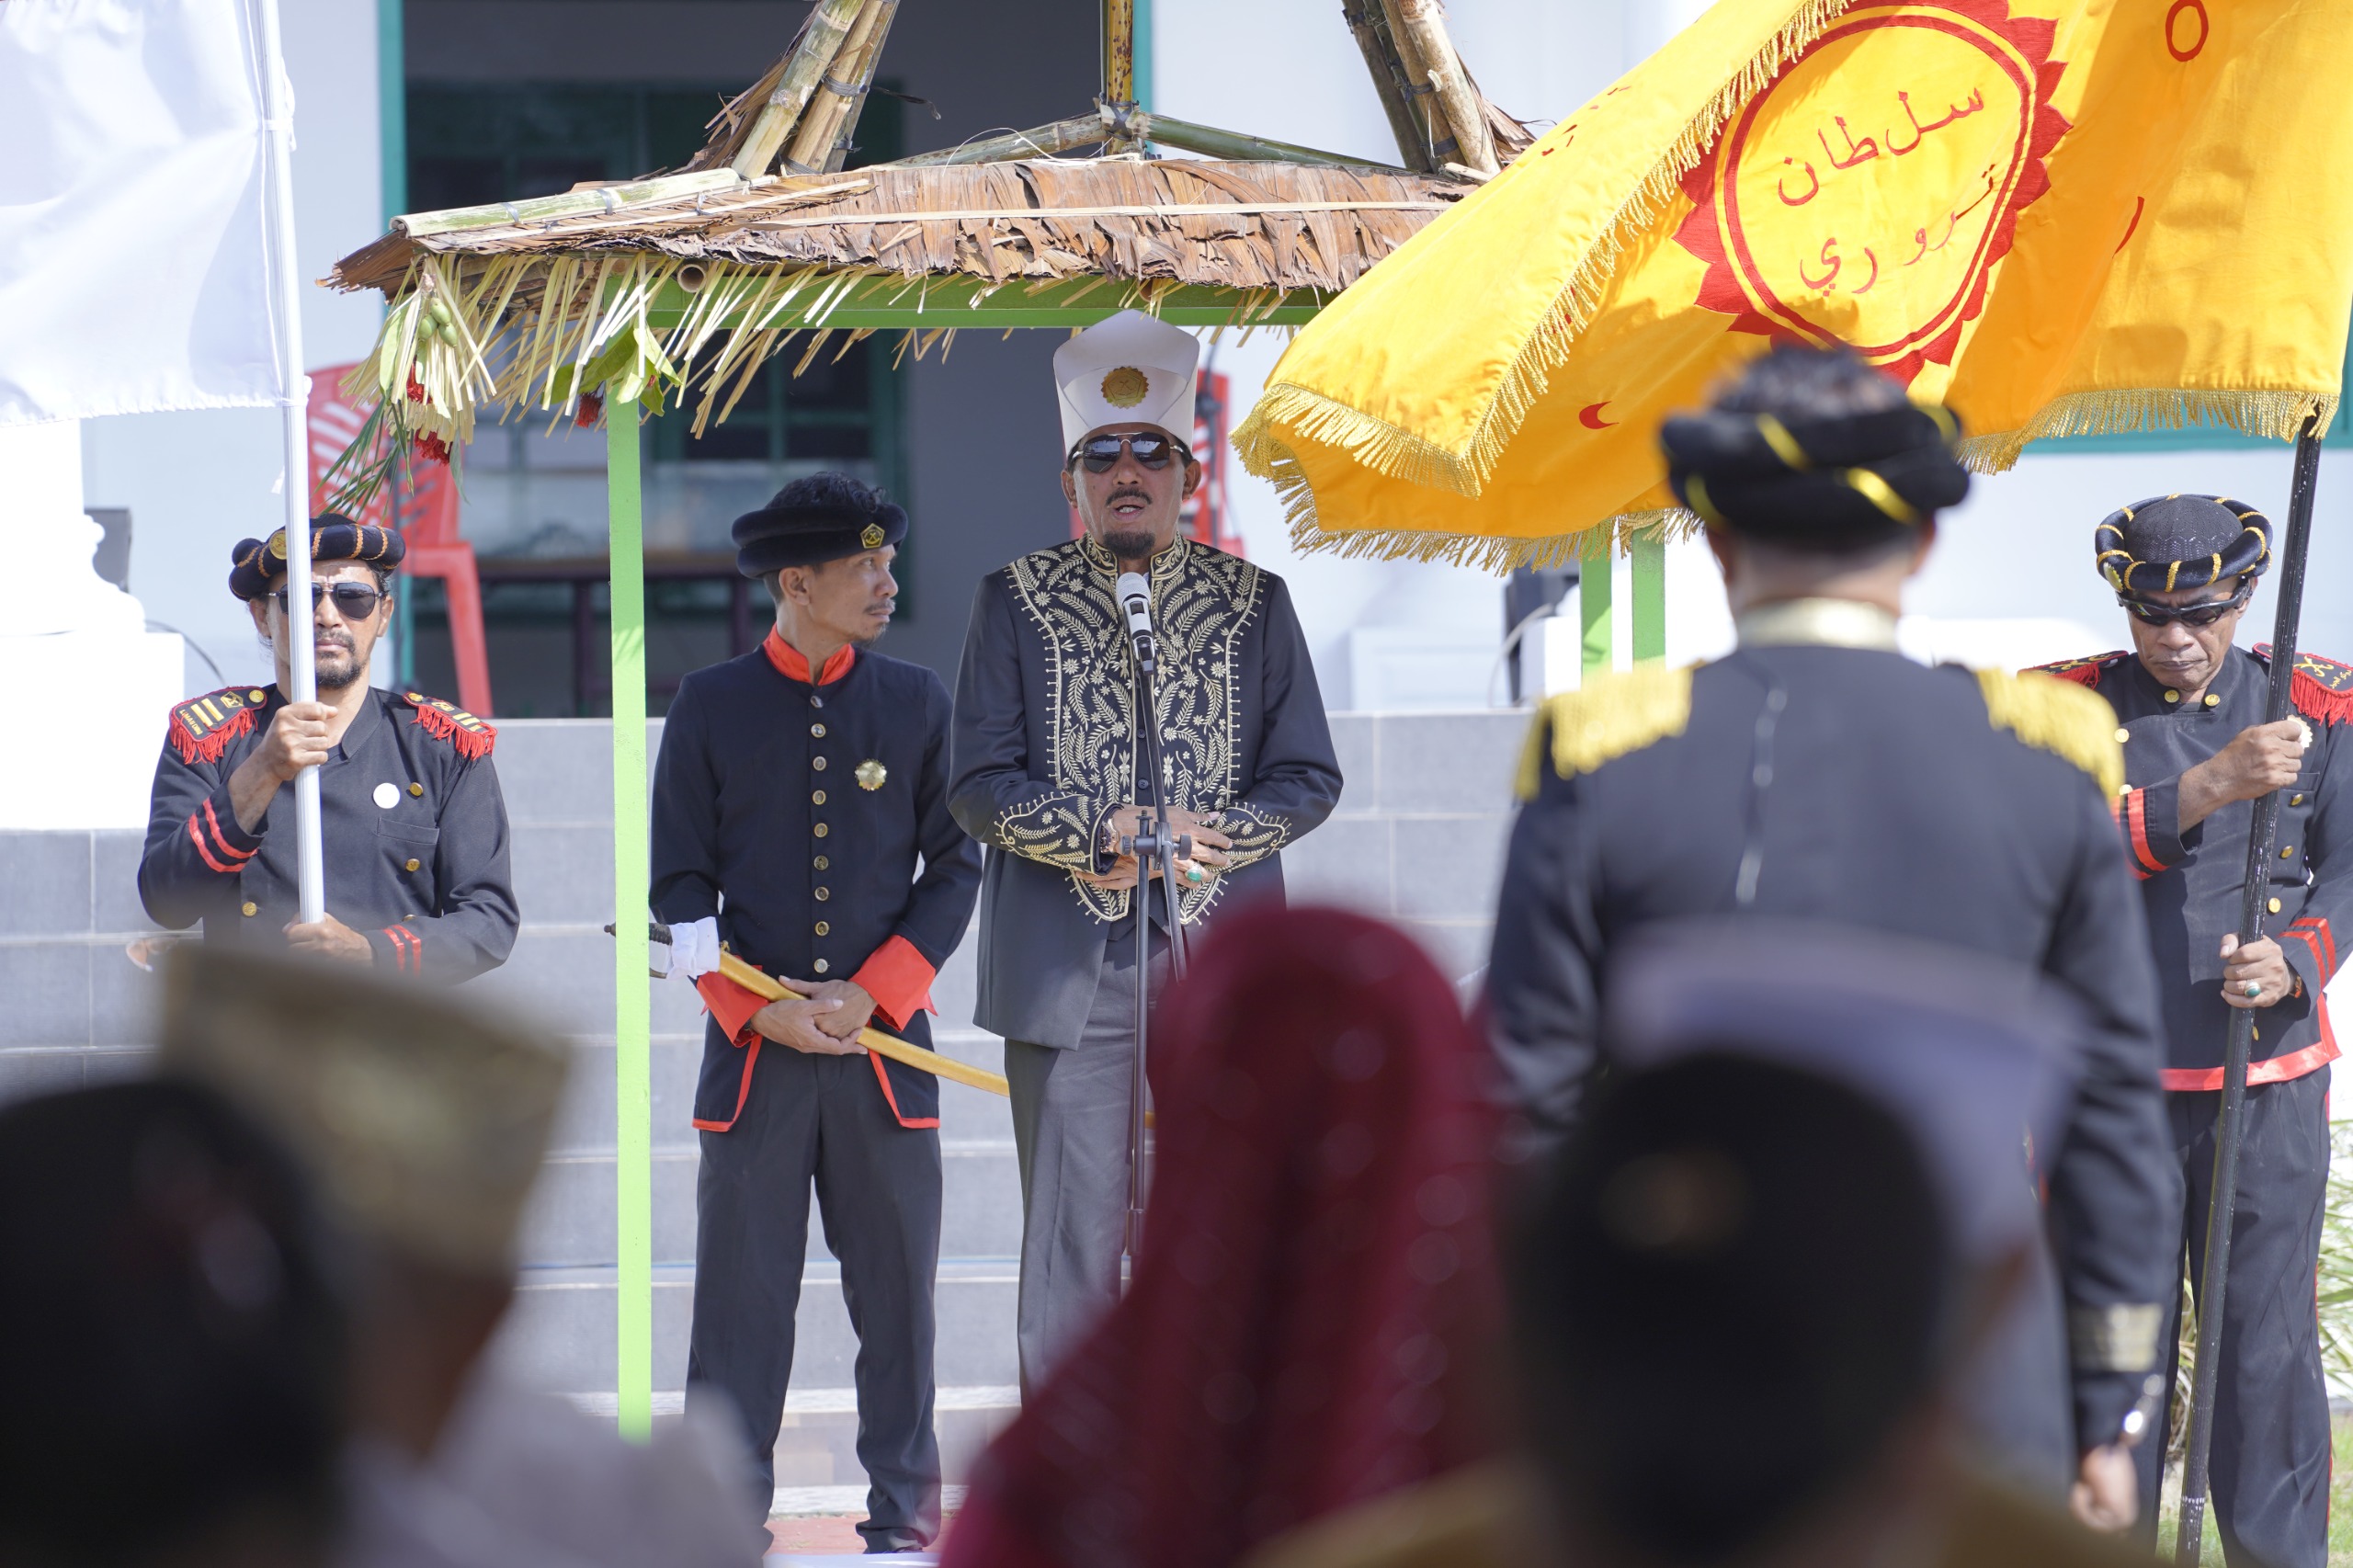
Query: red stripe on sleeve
[196,836]
[221,840]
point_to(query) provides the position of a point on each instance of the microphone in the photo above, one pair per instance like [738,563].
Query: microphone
[1134,597]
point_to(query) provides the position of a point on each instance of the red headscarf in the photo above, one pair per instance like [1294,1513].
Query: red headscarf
[1317,1276]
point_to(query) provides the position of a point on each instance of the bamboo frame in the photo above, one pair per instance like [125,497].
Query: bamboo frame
[844,83]
[1438,136]
[1364,20]
[1466,113]
[821,40]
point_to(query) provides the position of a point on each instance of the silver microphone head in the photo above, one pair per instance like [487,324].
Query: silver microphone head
[1133,594]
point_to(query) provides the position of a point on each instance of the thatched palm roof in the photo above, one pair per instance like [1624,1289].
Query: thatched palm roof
[1251,227]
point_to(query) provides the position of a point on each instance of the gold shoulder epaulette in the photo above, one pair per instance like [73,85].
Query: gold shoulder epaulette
[1608,717]
[2053,713]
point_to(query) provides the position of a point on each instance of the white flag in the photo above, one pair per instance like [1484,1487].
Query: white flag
[133,273]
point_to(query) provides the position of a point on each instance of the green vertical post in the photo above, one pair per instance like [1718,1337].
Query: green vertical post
[1650,598]
[391,146]
[1594,586]
[633,1025]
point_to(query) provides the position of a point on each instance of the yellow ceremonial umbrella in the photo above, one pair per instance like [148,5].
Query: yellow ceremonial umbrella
[2058,216]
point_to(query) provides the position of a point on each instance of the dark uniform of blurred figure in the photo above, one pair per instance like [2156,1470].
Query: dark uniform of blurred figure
[2189,710]
[801,808]
[1745,1296]
[412,824]
[171,1338]
[1816,773]
[1045,777]
[421,1122]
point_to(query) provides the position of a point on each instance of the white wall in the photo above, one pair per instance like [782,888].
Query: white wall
[198,483]
[1300,78]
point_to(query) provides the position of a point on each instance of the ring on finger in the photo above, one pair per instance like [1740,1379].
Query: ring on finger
[2253,988]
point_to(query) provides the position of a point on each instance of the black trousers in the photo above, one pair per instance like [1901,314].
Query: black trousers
[821,1121]
[2270,1455]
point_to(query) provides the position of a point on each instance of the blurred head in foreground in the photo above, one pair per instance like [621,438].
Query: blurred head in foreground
[171,1352]
[422,1118]
[1316,1290]
[1741,1295]
[1734,1305]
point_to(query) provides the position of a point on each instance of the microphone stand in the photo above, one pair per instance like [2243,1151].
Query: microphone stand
[1152,844]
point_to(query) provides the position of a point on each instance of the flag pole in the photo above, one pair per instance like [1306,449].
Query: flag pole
[2214,1283]
[294,482]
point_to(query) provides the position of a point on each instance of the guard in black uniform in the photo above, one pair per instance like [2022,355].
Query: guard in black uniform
[2190,709]
[1816,773]
[412,822]
[801,801]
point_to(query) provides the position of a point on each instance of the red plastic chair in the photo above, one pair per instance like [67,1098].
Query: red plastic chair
[428,517]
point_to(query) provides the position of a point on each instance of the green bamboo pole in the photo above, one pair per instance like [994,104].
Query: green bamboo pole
[1650,598]
[1595,586]
[633,1096]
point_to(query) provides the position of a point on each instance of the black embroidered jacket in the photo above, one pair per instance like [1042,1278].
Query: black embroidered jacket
[412,829]
[1044,753]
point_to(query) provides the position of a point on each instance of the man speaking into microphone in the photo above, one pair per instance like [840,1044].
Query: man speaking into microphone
[1044,765]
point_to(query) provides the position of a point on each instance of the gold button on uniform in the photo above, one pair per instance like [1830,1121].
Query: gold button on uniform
[825,930]
[2295,800]
[2173,697]
[417,789]
[2213,701]
[818,763]
[822,862]
[825,893]
[2274,906]
[822,966]
[2289,853]
[413,865]
[817,797]
[251,907]
[821,830]
[2123,734]
[818,731]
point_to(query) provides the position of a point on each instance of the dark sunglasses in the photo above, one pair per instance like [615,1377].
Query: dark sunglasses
[2187,614]
[1099,452]
[353,601]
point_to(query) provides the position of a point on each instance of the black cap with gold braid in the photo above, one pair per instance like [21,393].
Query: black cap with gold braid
[2170,543]
[333,537]
[1838,482]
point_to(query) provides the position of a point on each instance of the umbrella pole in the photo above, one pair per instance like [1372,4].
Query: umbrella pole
[632,1098]
[1649,575]
[294,488]
[2215,1284]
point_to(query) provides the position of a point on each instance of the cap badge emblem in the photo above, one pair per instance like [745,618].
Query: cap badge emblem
[1125,387]
[870,774]
[872,535]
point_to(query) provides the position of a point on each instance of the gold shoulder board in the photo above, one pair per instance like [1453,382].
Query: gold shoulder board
[2054,714]
[1608,717]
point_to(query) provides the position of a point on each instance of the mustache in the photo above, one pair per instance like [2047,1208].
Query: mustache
[1125,492]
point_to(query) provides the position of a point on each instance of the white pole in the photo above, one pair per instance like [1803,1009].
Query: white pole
[278,110]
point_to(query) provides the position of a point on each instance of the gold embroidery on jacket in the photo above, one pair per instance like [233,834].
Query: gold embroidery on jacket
[1203,601]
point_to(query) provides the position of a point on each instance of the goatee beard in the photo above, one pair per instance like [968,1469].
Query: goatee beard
[1128,544]
[334,676]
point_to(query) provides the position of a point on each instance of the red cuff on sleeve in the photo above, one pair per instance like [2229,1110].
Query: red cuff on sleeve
[899,980]
[730,1005]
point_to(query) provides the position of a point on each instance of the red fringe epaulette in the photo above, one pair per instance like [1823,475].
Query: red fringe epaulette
[2083,672]
[470,736]
[202,727]
[2320,690]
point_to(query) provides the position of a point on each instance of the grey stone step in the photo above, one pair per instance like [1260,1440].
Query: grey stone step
[570,1224]
[816,1449]
[560,1335]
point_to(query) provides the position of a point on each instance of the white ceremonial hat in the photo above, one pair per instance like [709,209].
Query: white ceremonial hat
[1129,370]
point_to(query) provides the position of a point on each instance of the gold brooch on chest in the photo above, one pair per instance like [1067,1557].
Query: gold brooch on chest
[870,774]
